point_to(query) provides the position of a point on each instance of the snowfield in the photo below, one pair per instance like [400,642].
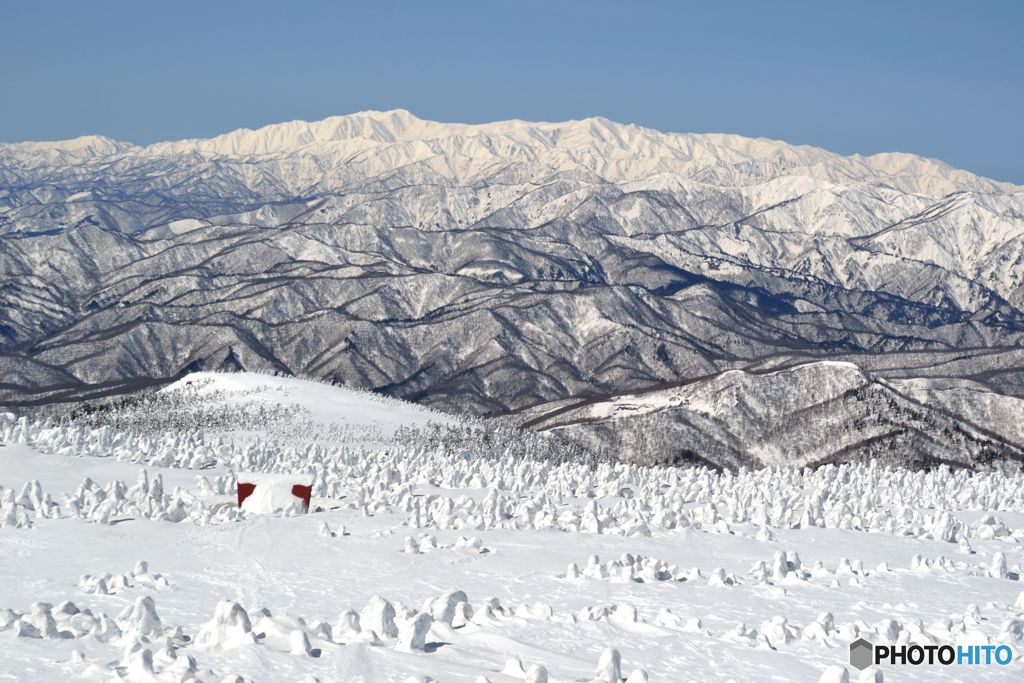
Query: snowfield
[446,549]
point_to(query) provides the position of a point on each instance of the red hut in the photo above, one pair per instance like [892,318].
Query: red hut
[262,493]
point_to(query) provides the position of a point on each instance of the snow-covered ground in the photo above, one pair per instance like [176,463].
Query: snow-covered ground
[324,403]
[123,555]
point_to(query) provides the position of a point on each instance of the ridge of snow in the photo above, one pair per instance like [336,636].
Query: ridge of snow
[352,134]
[649,402]
[82,146]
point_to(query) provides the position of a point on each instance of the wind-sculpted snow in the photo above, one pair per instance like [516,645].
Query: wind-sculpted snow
[489,268]
[107,584]
[517,493]
[464,559]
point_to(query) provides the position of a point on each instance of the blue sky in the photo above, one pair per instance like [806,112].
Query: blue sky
[936,78]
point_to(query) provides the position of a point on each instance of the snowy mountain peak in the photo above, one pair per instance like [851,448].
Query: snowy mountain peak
[615,152]
[372,126]
[84,146]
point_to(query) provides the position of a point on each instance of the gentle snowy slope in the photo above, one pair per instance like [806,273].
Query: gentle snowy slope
[323,403]
[425,562]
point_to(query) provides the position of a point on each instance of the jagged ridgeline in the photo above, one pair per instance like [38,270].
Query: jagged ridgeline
[490,268]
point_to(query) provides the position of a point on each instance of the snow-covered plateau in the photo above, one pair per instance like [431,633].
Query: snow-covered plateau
[446,548]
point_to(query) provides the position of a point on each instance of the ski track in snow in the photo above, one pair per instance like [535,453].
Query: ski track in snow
[428,565]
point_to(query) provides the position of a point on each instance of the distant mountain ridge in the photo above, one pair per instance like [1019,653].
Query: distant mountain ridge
[805,415]
[595,144]
[490,268]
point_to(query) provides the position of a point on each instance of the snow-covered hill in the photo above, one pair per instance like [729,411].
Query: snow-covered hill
[492,267]
[807,414]
[331,406]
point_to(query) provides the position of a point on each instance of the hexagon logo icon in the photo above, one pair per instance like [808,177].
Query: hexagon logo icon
[862,654]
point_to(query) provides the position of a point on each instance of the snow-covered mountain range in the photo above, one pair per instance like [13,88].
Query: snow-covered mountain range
[805,415]
[491,268]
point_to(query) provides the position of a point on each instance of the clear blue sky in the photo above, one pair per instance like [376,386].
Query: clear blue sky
[936,78]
